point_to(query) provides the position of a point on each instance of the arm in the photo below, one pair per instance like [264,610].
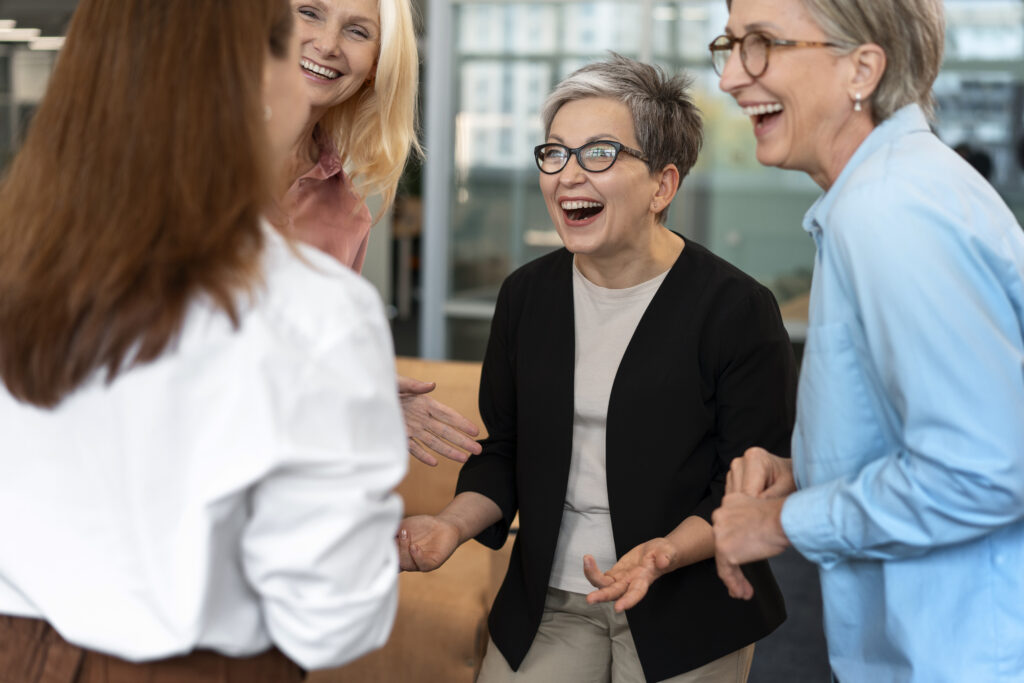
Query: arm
[755,387]
[432,426]
[943,338]
[318,546]
[492,474]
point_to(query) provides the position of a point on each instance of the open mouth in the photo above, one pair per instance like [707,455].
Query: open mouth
[319,71]
[579,211]
[763,113]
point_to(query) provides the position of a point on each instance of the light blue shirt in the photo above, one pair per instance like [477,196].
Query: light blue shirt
[909,443]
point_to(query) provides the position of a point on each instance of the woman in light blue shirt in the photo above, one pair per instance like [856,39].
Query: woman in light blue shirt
[906,485]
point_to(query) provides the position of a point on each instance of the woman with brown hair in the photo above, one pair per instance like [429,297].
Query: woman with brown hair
[200,426]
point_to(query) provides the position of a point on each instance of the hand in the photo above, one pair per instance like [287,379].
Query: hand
[433,426]
[627,582]
[746,529]
[761,474]
[425,542]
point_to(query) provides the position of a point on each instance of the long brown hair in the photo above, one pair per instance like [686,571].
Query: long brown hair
[139,187]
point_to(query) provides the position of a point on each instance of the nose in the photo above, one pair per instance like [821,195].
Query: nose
[327,43]
[572,173]
[734,76]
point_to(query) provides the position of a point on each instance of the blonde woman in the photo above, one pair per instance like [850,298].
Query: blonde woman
[361,68]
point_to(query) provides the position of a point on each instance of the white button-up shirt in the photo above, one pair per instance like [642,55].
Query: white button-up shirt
[233,494]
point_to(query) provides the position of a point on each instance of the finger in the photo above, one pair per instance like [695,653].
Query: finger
[441,447]
[408,385]
[405,561]
[735,582]
[594,575]
[452,417]
[420,453]
[636,592]
[608,593]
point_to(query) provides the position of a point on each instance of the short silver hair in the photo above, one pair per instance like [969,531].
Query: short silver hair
[911,32]
[666,122]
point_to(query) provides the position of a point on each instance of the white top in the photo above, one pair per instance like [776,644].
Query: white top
[236,492]
[605,320]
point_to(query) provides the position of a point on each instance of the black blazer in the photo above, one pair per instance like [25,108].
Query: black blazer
[708,373]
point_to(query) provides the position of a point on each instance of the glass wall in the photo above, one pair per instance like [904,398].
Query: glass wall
[502,58]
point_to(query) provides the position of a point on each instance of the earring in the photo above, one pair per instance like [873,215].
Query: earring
[856,103]
[268,113]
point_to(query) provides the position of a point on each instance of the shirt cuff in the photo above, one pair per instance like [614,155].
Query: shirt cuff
[807,521]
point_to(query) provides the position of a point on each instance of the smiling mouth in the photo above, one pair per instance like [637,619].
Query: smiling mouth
[577,211]
[763,112]
[320,71]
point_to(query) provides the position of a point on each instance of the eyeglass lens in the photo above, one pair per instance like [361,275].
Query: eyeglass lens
[753,53]
[597,156]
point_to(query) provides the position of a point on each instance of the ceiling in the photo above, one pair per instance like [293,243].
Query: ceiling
[51,16]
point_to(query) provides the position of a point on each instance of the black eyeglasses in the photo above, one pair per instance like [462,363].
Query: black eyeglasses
[596,156]
[754,50]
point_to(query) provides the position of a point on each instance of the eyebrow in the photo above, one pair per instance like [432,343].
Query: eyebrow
[756,26]
[322,6]
[592,138]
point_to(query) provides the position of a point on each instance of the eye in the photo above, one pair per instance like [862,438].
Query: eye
[306,12]
[552,154]
[600,151]
[360,32]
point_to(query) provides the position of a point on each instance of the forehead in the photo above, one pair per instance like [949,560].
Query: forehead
[367,9]
[591,118]
[781,16]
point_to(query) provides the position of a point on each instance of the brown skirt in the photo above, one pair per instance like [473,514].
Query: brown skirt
[31,651]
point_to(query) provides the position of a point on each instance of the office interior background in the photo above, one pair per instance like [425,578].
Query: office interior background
[473,212]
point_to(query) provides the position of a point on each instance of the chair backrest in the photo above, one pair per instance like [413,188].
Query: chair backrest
[426,490]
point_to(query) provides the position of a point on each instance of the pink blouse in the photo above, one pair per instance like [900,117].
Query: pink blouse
[324,211]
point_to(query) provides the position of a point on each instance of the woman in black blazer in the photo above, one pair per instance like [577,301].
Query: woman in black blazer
[622,376]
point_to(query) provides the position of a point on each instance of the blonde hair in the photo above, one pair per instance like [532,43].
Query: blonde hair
[912,34]
[375,129]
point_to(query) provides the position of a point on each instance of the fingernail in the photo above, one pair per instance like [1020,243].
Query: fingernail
[404,533]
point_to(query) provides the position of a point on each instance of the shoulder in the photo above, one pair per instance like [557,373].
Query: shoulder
[311,299]
[541,272]
[724,287]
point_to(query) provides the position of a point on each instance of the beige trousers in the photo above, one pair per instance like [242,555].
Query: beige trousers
[581,643]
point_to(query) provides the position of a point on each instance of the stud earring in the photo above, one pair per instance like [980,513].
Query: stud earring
[856,104]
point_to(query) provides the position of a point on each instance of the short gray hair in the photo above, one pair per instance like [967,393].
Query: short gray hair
[911,32]
[666,122]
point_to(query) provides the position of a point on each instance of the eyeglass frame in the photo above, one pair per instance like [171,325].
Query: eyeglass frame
[571,151]
[769,44]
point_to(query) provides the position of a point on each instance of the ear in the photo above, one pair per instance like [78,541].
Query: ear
[668,185]
[869,64]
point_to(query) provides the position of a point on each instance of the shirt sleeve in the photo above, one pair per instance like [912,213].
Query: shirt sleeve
[319,545]
[492,473]
[943,340]
[755,392]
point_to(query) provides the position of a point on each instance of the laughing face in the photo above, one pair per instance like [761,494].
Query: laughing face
[800,104]
[340,41]
[602,215]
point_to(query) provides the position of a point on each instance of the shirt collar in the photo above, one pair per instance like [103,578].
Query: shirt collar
[909,119]
[329,163]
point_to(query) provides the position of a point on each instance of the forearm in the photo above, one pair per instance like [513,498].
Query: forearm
[470,513]
[693,541]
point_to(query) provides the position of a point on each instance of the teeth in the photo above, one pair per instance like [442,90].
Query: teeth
[319,70]
[761,109]
[569,206]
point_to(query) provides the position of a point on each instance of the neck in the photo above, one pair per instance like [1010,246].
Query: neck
[644,260]
[845,144]
[305,153]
